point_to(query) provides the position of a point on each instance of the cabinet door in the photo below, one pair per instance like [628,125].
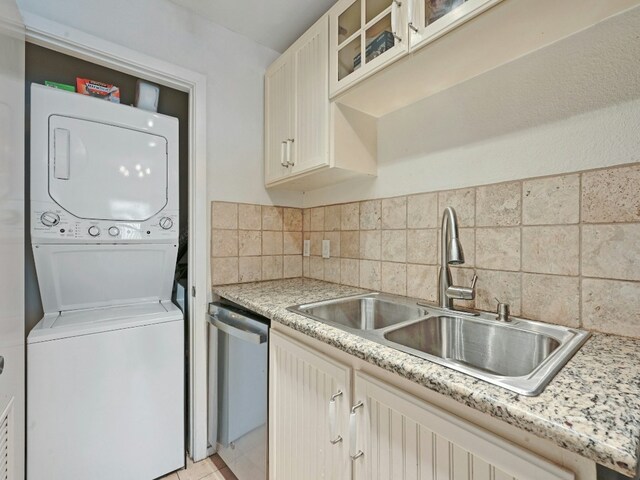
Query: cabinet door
[403,437]
[364,36]
[311,143]
[278,121]
[430,19]
[301,384]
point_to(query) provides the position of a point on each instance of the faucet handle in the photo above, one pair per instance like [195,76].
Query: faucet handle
[463,293]
[474,280]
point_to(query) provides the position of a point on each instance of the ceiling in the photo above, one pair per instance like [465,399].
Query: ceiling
[273,23]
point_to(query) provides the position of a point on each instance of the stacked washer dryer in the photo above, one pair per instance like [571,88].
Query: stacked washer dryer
[105,366]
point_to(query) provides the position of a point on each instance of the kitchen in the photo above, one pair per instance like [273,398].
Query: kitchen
[432,205]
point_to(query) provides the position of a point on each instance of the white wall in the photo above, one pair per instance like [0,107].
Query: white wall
[233,64]
[571,106]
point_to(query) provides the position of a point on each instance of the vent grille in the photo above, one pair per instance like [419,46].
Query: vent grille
[5,445]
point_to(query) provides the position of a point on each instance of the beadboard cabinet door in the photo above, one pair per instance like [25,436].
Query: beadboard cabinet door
[279,118]
[302,442]
[401,437]
[297,107]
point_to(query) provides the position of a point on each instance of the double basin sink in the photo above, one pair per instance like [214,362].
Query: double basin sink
[521,355]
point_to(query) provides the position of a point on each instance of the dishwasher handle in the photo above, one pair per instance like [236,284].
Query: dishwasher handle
[236,324]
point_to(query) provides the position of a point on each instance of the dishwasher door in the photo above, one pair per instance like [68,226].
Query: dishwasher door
[242,389]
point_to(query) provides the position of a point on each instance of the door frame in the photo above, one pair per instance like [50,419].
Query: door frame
[76,43]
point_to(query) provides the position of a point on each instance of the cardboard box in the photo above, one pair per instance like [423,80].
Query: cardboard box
[97,89]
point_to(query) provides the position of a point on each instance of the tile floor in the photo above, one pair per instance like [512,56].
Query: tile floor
[211,468]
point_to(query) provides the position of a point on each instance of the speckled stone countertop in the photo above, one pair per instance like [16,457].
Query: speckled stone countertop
[592,407]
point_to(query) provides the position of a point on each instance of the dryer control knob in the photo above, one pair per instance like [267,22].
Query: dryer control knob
[166,223]
[114,231]
[50,219]
[94,231]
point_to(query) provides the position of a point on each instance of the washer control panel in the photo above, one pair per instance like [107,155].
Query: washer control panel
[55,225]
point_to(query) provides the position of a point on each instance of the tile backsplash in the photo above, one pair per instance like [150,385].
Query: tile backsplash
[562,249]
[254,242]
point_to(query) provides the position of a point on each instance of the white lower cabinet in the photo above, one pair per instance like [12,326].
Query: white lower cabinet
[379,431]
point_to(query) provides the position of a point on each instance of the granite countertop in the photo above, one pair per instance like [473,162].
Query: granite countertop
[591,407]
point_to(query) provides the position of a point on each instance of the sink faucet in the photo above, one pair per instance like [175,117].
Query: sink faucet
[451,254]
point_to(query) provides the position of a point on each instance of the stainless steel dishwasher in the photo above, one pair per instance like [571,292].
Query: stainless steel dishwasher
[242,388]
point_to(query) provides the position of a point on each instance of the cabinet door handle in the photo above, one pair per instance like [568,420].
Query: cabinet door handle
[334,438]
[289,161]
[283,153]
[395,11]
[410,7]
[353,432]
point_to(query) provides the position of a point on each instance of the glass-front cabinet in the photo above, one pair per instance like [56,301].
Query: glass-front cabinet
[430,19]
[365,35]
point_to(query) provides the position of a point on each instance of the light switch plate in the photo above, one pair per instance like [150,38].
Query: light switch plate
[306,248]
[326,248]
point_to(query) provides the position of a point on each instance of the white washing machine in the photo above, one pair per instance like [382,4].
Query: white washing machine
[105,366]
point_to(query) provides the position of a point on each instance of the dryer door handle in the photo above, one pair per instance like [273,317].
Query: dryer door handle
[61,153]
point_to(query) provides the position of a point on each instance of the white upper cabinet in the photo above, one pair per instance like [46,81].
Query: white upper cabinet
[364,36]
[297,107]
[430,19]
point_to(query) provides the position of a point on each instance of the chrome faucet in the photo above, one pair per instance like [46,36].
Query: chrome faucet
[451,254]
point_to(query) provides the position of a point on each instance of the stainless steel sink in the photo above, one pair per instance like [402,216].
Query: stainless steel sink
[521,355]
[362,312]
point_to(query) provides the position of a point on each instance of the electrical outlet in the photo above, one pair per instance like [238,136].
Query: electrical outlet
[326,248]
[306,248]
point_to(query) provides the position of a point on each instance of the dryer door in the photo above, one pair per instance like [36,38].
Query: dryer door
[105,172]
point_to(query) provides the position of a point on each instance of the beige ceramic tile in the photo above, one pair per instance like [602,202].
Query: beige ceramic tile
[316,219]
[271,267]
[198,470]
[350,216]
[350,272]
[611,251]
[171,476]
[224,215]
[332,270]
[394,278]
[463,202]
[224,270]
[250,269]
[306,219]
[350,244]
[292,266]
[316,243]
[305,267]
[611,195]
[249,217]
[553,200]
[272,243]
[272,218]
[292,219]
[499,205]
[422,246]
[551,250]
[551,298]
[250,242]
[422,211]
[394,213]
[422,282]
[332,216]
[394,245]
[224,243]
[370,244]
[222,474]
[505,286]
[611,306]
[292,243]
[498,248]
[370,215]
[316,268]
[370,274]
[334,243]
